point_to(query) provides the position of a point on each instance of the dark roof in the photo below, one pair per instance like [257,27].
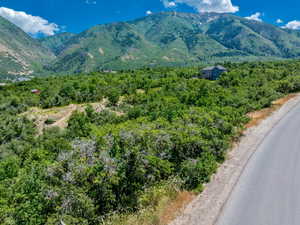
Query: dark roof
[215,67]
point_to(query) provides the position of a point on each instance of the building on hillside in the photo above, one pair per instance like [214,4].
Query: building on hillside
[35,91]
[108,71]
[213,73]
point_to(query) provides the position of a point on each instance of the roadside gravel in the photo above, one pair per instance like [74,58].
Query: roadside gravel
[205,209]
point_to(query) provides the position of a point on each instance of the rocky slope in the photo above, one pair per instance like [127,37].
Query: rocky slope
[20,54]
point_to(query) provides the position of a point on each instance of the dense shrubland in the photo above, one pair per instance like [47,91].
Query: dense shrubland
[173,127]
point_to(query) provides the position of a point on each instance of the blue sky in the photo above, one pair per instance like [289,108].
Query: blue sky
[52,16]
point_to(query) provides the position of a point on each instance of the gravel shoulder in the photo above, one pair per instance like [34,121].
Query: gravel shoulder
[205,209]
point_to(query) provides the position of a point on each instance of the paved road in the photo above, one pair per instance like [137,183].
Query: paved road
[268,192]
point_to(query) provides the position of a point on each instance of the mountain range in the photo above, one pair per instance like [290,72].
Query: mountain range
[162,39]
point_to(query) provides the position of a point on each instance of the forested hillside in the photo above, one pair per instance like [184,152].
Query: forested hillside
[158,126]
[162,39]
[57,42]
[174,39]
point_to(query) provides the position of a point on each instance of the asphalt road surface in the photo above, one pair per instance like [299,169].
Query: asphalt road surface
[268,191]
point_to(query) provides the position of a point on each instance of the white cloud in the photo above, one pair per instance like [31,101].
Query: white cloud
[256,17]
[149,12]
[30,24]
[294,25]
[172,4]
[279,21]
[169,4]
[218,6]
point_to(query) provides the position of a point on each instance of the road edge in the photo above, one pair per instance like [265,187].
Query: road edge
[206,208]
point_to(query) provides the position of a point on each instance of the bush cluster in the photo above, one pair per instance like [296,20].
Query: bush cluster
[171,125]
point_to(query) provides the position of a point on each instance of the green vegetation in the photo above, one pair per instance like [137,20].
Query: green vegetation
[164,125]
[175,39]
[162,39]
[57,42]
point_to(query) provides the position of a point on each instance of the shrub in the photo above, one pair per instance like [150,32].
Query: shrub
[196,172]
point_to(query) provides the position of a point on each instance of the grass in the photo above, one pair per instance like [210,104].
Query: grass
[158,206]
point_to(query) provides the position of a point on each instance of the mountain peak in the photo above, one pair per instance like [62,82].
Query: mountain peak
[175,39]
[161,39]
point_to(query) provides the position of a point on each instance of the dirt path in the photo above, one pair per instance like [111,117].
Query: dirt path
[205,209]
[63,121]
[61,115]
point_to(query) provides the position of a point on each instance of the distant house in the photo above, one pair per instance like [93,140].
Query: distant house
[213,73]
[109,71]
[35,91]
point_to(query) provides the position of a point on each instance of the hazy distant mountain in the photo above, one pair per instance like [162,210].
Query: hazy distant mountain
[20,54]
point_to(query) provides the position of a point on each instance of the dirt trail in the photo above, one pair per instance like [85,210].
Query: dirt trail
[63,121]
[61,115]
[205,209]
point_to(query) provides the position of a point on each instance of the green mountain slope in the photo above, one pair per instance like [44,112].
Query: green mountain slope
[101,45]
[57,42]
[20,54]
[163,39]
[254,37]
[166,39]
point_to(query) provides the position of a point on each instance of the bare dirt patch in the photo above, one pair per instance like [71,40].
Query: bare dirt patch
[176,206]
[258,116]
[140,91]
[128,57]
[61,115]
[101,51]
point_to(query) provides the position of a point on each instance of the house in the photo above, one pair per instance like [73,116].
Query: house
[35,91]
[213,73]
[109,71]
